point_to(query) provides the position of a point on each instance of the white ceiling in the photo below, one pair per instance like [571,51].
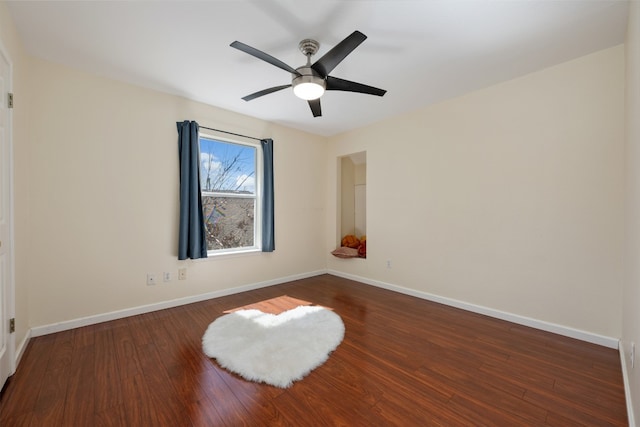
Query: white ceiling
[421,52]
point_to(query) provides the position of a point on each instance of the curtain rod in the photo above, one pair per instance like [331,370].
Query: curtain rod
[231,133]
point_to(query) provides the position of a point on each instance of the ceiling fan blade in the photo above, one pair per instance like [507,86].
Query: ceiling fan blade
[340,51]
[264,92]
[315,107]
[334,83]
[264,56]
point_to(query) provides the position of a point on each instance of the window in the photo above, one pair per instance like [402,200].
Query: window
[230,185]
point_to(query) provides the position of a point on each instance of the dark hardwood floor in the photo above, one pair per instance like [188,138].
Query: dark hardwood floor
[403,362]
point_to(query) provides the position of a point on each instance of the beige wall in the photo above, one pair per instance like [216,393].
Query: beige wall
[509,198]
[11,43]
[631,306]
[104,198]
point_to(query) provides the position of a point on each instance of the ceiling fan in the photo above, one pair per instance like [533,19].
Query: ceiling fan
[311,80]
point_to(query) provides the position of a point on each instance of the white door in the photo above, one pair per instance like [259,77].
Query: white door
[7,339]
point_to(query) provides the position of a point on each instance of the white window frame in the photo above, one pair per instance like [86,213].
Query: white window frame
[258,197]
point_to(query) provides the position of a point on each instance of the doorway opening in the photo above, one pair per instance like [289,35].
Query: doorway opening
[352,201]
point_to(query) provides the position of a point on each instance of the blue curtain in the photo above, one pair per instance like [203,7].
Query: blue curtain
[268,227]
[192,241]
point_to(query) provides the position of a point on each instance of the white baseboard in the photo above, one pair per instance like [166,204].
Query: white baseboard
[510,317]
[119,314]
[627,386]
[19,352]
[521,320]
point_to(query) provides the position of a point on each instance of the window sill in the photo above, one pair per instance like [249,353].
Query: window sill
[231,254]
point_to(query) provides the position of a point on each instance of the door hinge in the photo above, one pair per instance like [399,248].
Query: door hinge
[10,100]
[12,325]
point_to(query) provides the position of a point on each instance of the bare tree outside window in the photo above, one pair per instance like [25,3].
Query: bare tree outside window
[228,181]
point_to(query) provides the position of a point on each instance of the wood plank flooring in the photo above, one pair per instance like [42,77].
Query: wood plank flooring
[403,362]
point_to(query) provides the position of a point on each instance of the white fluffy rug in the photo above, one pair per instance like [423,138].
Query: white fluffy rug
[276,350]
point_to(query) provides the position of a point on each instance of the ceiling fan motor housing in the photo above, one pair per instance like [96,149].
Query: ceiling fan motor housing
[308,47]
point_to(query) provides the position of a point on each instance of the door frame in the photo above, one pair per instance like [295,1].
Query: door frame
[10,292]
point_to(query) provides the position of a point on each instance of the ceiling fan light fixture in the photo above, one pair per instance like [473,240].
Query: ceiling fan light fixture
[308,85]
[308,91]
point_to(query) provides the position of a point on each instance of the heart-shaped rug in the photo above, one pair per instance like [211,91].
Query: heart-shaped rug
[274,349]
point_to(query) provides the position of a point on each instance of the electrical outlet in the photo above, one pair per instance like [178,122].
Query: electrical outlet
[166,276]
[182,274]
[633,354]
[151,279]
[388,263]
